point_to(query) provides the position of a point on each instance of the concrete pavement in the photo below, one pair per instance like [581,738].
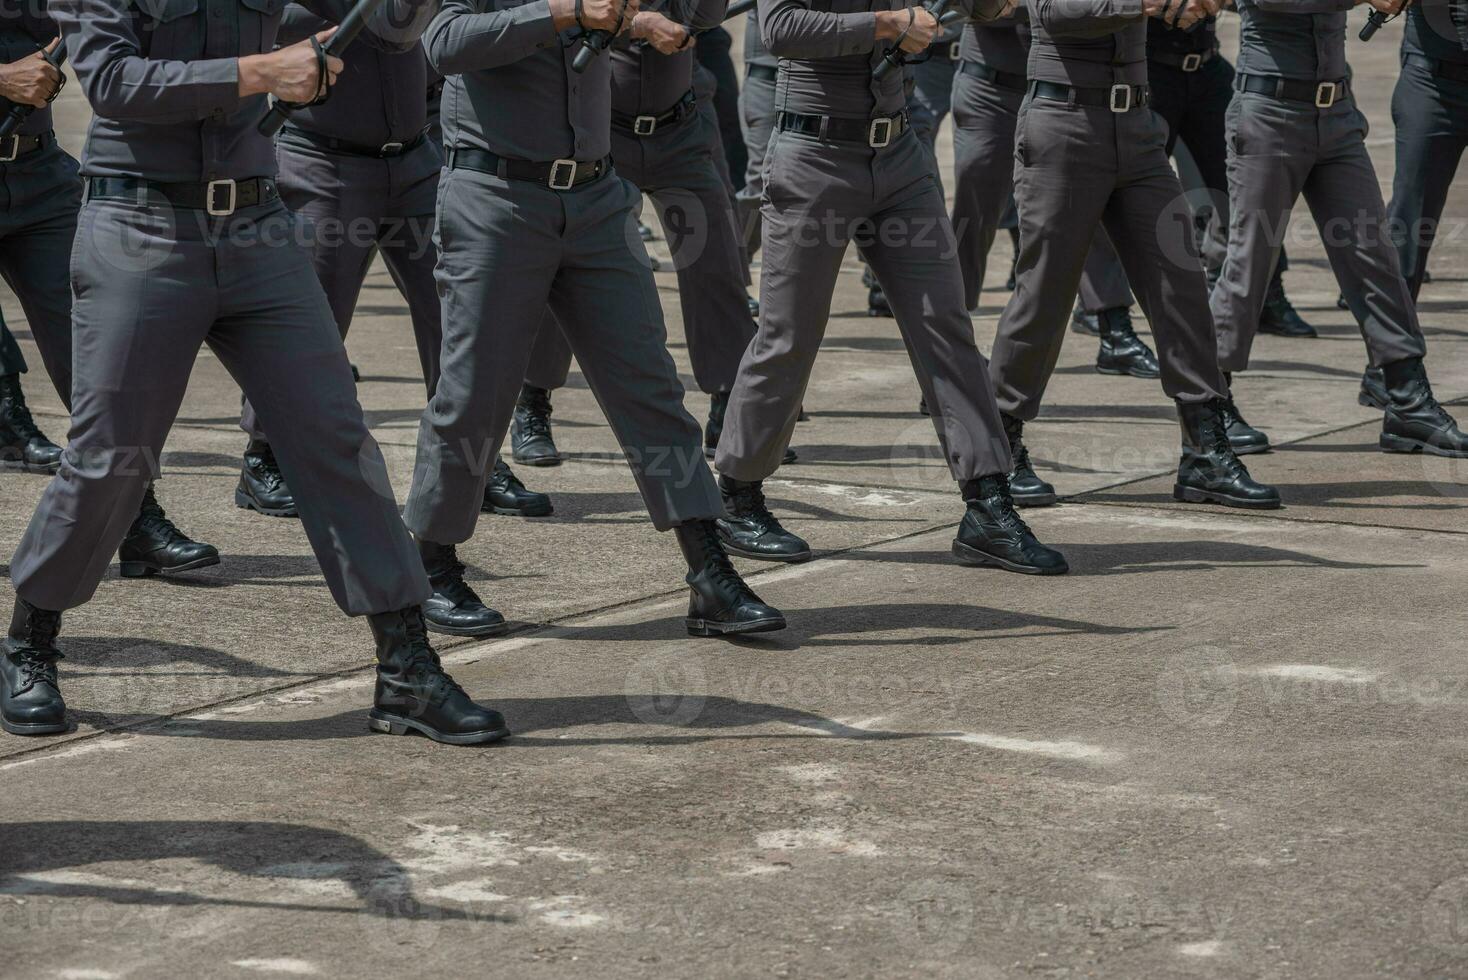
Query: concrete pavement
[1225,745]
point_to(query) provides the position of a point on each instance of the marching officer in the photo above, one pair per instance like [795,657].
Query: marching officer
[362,172]
[531,216]
[988,87]
[1293,129]
[1088,153]
[1430,110]
[183,240]
[665,140]
[845,166]
[932,87]
[757,116]
[42,194]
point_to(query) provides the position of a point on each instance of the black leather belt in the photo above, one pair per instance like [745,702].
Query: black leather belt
[1117,98]
[15,146]
[647,125]
[1322,95]
[876,133]
[1013,81]
[219,198]
[1452,70]
[761,71]
[948,51]
[558,175]
[1190,62]
[333,145]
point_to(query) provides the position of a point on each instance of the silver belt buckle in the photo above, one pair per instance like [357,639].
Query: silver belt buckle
[391,149]
[210,193]
[11,148]
[1121,98]
[953,50]
[645,125]
[1325,94]
[1192,62]
[882,126]
[556,183]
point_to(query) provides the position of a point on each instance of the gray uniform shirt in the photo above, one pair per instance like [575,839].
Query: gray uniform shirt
[828,48]
[1437,29]
[24,30]
[644,81]
[509,85]
[382,95]
[163,80]
[1088,43]
[1201,38]
[755,52]
[1302,39]
[1003,45]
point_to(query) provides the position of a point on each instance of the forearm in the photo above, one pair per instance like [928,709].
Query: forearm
[790,29]
[1085,18]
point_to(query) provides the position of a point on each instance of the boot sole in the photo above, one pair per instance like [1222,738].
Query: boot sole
[1250,450]
[1123,372]
[245,502]
[386,724]
[1034,500]
[498,629]
[1192,495]
[15,728]
[518,511]
[973,557]
[540,461]
[20,464]
[1401,444]
[794,559]
[708,627]
[145,569]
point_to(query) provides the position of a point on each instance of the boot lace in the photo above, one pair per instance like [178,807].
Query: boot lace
[1229,413]
[716,560]
[1214,434]
[535,414]
[17,416]
[423,665]
[447,577]
[37,666]
[267,470]
[1001,506]
[153,520]
[749,505]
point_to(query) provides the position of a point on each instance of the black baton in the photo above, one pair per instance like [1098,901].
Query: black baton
[19,113]
[354,23]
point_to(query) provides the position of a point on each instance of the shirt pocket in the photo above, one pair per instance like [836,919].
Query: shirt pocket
[170,29]
[259,22]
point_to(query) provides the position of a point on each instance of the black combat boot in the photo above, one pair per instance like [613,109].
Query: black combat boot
[1210,470]
[30,694]
[1414,421]
[877,304]
[753,305]
[1025,487]
[751,531]
[20,441]
[1373,389]
[1279,316]
[1122,351]
[154,545]
[993,533]
[530,429]
[714,427]
[415,693]
[1243,437]
[1085,323]
[505,494]
[719,603]
[262,487]
[454,608]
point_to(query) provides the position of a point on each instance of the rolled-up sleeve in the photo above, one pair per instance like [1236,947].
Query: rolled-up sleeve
[465,37]
[791,29]
[1085,18]
[105,45]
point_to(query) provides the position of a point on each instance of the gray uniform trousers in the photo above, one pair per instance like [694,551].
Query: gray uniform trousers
[984,118]
[1077,167]
[1431,117]
[1277,151]
[151,285]
[931,98]
[679,167]
[352,207]
[508,249]
[40,193]
[818,197]
[757,113]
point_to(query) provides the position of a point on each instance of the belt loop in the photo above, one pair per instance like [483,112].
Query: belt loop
[825,126]
[502,168]
[1279,85]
